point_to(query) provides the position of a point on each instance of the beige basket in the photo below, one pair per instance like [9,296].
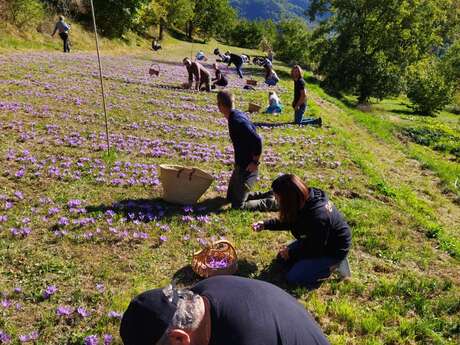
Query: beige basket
[251,82]
[218,250]
[254,108]
[183,185]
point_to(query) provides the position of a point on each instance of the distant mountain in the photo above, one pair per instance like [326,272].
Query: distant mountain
[270,9]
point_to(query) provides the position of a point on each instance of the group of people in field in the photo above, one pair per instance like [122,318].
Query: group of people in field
[229,310]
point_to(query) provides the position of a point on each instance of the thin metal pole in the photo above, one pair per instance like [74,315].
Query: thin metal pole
[100,77]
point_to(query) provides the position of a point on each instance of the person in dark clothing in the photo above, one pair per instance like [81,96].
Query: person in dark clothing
[300,99]
[222,310]
[201,75]
[323,238]
[247,146]
[155,45]
[220,79]
[237,60]
[63,28]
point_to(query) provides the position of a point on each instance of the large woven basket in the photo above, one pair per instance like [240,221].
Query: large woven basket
[218,250]
[254,108]
[183,185]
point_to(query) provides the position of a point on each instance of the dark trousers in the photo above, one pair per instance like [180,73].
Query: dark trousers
[65,40]
[239,68]
[240,196]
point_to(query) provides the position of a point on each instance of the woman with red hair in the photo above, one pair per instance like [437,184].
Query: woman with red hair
[323,238]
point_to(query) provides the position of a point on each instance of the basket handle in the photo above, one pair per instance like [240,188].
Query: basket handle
[224,242]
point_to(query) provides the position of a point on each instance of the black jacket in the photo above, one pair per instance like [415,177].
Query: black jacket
[319,226]
[237,60]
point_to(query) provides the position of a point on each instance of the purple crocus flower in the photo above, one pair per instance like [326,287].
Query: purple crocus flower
[163,238]
[64,311]
[4,338]
[107,339]
[49,291]
[91,340]
[28,337]
[100,288]
[83,312]
[3,218]
[114,315]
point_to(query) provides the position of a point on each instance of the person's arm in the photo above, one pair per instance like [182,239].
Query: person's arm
[255,143]
[54,32]
[275,225]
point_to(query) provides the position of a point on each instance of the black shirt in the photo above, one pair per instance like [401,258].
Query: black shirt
[319,226]
[299,87]
[246,142]
[237,60]
[252,312]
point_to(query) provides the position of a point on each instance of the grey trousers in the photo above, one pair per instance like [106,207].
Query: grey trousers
[240,196]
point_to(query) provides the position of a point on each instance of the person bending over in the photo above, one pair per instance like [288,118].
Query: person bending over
[247,146]
[222,310]
[271,78]
[274,102]
[323,238]
[300,99]
[201,75]
[63,28]
[220,79]
[237,60]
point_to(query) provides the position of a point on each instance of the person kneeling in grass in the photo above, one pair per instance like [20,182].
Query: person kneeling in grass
[323,238]
[201,75]
[247,146]
[300,99]
[274,104]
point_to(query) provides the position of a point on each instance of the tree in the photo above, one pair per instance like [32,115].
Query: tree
[115,17]
[292,42]
[428,88]
[249,34]
[211,18]
[366,45]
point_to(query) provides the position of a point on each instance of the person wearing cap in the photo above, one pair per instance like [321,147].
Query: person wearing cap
[323,237]
[222,310]
[197,71]
[247,146]
[63,28]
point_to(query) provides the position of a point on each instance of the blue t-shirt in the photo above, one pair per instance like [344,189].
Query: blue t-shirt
[252,312]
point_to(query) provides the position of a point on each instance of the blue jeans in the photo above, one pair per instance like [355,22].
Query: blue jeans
[309,272]
[300,120]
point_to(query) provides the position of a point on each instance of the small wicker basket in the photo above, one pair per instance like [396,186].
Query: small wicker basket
[220,250]
[154,70]
[254,108]
[251,82]
[183,185]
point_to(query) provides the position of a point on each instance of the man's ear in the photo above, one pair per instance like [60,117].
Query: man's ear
[178,337]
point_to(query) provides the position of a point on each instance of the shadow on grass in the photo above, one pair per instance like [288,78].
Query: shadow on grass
[148,210]
[181,36]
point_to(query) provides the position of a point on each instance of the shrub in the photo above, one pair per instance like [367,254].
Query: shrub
[428,88]
[24,13]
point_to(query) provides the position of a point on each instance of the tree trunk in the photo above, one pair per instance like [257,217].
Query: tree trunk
[190,30]
[161,29]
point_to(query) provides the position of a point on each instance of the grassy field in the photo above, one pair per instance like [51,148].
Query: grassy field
[83,231]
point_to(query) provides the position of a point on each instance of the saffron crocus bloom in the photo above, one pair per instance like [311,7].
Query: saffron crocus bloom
[83,312]
[49,291]
[64,311]
[114,315]
[107,339]
[4,338]
[91,340]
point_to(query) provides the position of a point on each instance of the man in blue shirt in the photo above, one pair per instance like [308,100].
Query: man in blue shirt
[247,146]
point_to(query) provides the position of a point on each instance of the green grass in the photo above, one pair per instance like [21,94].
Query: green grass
[397,195]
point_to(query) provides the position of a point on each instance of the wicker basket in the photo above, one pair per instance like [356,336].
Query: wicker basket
[154,70]
[254,108]
[183,185]
[218,250]
[251,82]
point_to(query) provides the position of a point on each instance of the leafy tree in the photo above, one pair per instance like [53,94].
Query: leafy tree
[115,17]
[366,45]
[180,12]
[292,42]
[428,88]
[451,64]
[25,12]
[250,34]
[212,18]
